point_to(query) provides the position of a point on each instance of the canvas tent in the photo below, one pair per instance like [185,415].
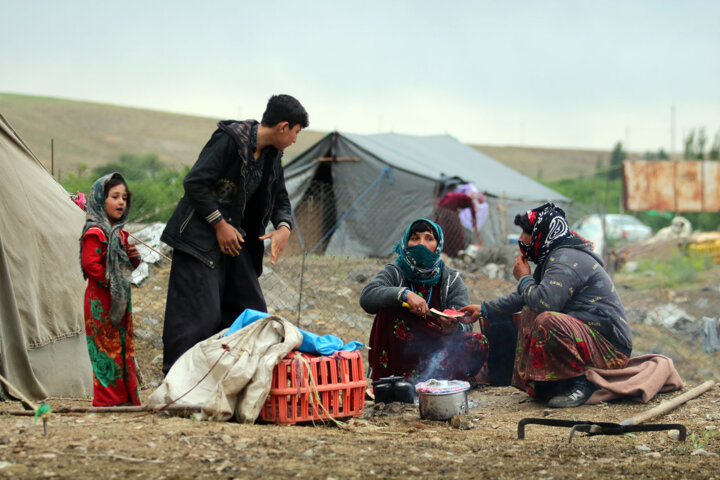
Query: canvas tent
[43,350]
[367,188]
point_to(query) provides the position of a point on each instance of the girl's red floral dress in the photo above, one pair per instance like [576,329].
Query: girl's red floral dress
[111,349]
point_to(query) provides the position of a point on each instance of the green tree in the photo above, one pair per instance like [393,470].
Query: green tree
[714,153]
[701,140]
[689,152]
[616,158]
[661,155]
[132,166]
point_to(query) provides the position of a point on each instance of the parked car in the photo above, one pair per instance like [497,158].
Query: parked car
[619,229]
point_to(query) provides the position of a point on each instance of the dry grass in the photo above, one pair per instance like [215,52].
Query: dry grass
[94,134]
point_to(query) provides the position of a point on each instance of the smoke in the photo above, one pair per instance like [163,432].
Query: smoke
[438,358]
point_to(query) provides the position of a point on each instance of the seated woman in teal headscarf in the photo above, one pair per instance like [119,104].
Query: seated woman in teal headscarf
[405,340]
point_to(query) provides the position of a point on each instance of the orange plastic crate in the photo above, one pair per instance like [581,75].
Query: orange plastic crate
[340,382]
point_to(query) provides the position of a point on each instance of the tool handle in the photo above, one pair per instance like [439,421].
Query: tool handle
[148,246]
[668,405]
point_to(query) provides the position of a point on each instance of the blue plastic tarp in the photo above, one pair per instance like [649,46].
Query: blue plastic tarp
[312,342]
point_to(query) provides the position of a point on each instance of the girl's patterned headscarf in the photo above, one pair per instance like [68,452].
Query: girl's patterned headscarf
[118,268]
[418,264]
[548,229]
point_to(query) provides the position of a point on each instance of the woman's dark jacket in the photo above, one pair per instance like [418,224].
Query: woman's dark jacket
[215,190]
[574,282]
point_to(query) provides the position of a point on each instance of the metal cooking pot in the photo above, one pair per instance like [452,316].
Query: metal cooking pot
[443,406]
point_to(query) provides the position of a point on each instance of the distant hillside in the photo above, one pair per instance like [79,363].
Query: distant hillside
[94,134]
[550,163]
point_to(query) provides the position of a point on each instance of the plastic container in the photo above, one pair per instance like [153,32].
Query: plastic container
[707,248]
[340,383]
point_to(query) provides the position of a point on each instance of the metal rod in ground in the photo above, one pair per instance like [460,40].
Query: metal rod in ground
[302,276]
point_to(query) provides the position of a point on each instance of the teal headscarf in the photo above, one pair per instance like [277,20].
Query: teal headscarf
[418,263]
[118,268]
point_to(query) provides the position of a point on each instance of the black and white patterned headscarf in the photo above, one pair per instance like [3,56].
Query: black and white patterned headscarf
[548,229]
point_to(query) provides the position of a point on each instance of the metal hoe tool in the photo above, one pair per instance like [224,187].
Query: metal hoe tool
[632,424]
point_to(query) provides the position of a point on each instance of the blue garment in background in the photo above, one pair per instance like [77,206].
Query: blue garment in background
[312,342]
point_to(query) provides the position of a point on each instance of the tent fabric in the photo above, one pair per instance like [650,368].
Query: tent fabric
[229,375]
[385,181]
[43,351]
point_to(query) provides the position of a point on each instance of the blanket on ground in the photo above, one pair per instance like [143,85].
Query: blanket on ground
[641,379]
[232,375]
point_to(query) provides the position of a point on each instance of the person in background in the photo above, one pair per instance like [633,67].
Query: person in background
[108,259]
[572,317]
[233,191]
[481,211]
[405,340]
[447,215]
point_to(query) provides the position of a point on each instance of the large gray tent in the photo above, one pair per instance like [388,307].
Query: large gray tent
[43,351]
[367,188]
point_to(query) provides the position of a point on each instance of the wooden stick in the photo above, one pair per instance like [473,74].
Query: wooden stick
[118,409]
[151,248]
[123,408]
[668,405]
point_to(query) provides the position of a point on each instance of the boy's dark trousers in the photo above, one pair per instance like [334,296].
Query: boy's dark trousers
[202,301]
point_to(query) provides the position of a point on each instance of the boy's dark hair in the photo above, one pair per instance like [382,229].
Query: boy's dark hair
[284,108]
[114,181]
[422,226]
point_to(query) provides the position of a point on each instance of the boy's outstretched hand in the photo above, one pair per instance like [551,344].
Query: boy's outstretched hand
[278,239]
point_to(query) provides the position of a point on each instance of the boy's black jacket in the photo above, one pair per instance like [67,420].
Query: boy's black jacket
[215,190]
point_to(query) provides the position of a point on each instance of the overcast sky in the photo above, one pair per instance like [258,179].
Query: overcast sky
[565,73]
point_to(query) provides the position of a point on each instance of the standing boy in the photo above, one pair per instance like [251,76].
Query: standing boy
[217,230]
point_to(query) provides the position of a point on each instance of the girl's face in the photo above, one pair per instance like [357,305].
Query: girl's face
[115,202]
[423,238]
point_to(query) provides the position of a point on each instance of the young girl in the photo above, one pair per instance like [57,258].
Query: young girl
[107,262]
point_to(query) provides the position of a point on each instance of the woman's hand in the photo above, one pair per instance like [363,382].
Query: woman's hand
[521,268]
[418,306]
[472,313]
[449,325]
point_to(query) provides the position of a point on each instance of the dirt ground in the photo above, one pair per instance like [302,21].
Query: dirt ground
[387,441]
